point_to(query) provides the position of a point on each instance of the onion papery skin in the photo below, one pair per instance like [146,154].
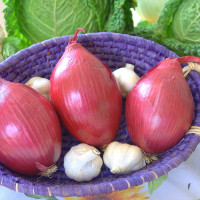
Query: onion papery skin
[30,132]
[159,109]
[86,96]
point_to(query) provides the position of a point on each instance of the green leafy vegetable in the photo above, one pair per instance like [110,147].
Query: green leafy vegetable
[10,46]
[186,23]
[40,197]
[182,48]
[145,30]
[149,10]
[2,35]
[153,185]
[121,17]
[11,23]
[39,20]
[35,21]
[178,27]
[163,24]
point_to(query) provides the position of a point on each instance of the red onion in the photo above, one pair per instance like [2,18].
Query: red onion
[85,95]
[30,132]
[159,109]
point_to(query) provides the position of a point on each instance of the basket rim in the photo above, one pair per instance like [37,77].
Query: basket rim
[11,180]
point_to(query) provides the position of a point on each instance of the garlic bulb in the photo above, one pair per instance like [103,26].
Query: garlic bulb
[41,85]
[122,158]
[82,162]
[126,78]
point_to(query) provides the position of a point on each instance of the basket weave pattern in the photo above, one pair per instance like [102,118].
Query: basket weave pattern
[115,50]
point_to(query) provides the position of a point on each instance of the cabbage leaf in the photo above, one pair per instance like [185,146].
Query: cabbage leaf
[186,23]
[38,20]
[121,17]
[11,23]
[177,27]
[145,30]
[10,46]
[149,10]
[163,24]
[182,49]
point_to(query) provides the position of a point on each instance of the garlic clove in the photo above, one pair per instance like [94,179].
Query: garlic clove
[126,78]
[31,80]
[41,85]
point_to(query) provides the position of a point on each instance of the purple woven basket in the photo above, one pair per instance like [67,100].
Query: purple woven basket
[115,50]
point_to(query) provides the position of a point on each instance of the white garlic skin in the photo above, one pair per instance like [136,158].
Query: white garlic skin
[82,162]
[126,78]
[122,158]
[41,85]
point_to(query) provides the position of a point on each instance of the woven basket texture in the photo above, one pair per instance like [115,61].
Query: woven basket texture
[115,50]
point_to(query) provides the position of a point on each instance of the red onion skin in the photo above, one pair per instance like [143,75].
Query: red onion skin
[86,96]
[30,132]
[186,59]
[159,109]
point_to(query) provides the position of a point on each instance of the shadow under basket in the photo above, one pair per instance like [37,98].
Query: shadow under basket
[115,50]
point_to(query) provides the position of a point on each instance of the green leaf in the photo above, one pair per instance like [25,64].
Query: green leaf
[34,196]
[177,28]
[38,20]
[12,25]
[10,46]
[145,30]
[134,3]
[186,22]
[100,18]
[163,24]
[182,48]
[149,10]
[120,19]
[40,197]
[153,185]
